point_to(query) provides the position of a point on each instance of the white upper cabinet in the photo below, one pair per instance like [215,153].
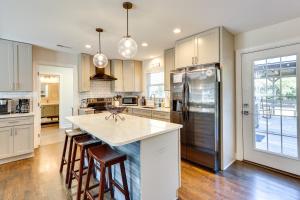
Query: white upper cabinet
[15,66]
[128,74]
[23,67]
[202,48]
[85,70]
[117,72]
[208,48]
[6,65]
[169,61]
[185,52]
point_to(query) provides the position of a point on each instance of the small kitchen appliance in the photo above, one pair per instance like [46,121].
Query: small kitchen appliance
[5,106]
[130,101]
[23,106]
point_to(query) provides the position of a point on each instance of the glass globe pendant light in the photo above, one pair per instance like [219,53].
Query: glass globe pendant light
[100,60]
[127,46]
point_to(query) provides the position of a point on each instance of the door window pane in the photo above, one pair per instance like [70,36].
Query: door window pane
[274,143]
[261,141]
[275,105]
[289,146]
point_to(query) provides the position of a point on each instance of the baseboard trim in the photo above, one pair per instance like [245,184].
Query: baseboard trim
[273,169]
[16,158]
[228,165]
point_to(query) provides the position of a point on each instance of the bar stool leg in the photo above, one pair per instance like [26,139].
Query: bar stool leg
[63,155]
[90,169]
[81,165]
[72,166]
[110,183]
[102,182]
[69,160]
[124,180]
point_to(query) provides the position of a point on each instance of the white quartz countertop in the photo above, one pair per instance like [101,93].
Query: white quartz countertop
[154,109]
[119,133]
[16,115]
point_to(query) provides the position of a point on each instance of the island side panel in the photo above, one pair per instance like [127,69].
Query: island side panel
[133,174]
[160,167]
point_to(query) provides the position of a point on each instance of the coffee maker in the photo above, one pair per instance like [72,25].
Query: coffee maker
[23,106]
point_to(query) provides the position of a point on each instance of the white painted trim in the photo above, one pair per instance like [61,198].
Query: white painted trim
[16,158]
[36,93]
[229,164]
[239,97]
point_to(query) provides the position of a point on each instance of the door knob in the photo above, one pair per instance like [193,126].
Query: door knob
[245,112]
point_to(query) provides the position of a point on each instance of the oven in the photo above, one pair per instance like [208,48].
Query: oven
[99,104]
[130,101]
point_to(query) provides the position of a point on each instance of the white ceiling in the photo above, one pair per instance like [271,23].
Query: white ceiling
[72,22]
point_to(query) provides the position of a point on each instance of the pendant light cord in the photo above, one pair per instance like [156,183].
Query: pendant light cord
[100,43]
[127,22]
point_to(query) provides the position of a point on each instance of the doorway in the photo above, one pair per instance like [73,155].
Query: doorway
[270,84]
[56,102]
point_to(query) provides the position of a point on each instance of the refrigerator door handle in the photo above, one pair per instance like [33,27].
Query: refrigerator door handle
[187,99]
[183,103]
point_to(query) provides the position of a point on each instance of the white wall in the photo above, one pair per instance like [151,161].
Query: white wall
[66,94]
[151,66]
[47,57]
[282,32]
[276,35]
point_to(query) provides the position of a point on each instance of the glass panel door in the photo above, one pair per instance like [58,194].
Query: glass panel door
[275,105]
[270,89]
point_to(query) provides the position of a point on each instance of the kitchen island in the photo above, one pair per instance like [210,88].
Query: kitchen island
[152,148]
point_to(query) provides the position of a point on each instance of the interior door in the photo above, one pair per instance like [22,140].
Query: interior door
[270,82]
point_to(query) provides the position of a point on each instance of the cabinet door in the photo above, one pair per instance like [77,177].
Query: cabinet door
[23,67]
[6,142]
[84,72]
[6,66]
[117,72]
[23,139]
[185,51]
[128,75]
[138,76]
[169,60]
[208,47]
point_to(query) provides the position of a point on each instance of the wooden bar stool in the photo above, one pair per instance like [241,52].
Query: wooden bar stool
[70,134]
[107,157]
[83,143]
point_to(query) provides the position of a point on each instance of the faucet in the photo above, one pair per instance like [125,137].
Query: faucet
[154,99]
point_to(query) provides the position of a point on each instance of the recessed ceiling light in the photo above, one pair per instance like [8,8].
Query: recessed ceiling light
[144,44]
[151,57]
[88,46]
[177,30]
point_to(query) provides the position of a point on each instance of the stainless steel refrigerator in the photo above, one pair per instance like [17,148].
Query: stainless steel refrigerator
[195,104]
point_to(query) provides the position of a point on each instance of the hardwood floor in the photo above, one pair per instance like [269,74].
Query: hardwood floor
[38,178]
[241,181]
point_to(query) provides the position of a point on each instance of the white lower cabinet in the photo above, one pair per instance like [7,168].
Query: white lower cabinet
[16,137]
[6,142]
[23,139]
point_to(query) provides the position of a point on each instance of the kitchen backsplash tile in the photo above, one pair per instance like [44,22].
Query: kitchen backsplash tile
[98,89]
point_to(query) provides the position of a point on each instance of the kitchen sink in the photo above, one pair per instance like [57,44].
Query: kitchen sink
[149,107]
